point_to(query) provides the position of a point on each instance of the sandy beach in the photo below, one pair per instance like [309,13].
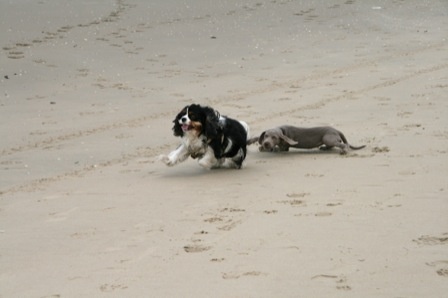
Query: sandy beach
[89,90]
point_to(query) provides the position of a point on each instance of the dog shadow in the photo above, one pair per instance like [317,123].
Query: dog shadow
[191,171]
[298,152]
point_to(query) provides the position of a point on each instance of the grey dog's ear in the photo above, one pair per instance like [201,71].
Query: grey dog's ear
[288,140]
[261,138]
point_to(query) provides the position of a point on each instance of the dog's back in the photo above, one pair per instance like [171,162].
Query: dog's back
[308,138]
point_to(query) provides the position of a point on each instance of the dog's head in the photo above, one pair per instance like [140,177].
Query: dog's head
[271,138]
[197,119]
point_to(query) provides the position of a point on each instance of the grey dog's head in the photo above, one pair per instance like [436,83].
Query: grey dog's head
[272,138]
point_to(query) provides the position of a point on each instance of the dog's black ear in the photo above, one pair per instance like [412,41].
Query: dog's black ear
[211,129]
[177,129]
[261,138]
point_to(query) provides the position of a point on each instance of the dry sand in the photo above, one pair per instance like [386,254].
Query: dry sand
[88,93]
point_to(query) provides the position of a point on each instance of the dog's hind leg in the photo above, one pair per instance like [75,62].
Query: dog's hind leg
[325,147]
[334,140]
[239,158]
[344,147]
[235,162]
[231,163]
[208,160]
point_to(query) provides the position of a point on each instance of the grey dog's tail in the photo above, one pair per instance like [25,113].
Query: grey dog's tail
[344,139]
[356,147]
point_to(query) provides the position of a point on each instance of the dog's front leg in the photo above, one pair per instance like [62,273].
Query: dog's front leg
[176,156]
[281,147]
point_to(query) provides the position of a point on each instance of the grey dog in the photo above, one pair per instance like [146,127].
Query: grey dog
[283,137]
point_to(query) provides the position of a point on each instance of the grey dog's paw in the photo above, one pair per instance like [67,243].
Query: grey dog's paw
[262,149]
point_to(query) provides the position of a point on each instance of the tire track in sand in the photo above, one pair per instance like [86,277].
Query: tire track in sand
[135,122]
[385,84]
[240,96]
[153,152]
[16,50]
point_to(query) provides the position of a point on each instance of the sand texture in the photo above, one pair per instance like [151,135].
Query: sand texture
[89,90]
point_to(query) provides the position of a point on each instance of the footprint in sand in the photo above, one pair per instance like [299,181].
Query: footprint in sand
[111,288]
[323,214]
[432,240]
[229,226]
[340,280]
[234,275]
[84,234]
[225,224]
[196,248]
[295,199]
[60,216]
[443,272]
[441,267]
[16,54]
[383,149]
[213,219]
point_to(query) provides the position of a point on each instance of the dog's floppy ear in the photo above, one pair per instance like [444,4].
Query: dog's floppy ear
[177,129]
[211,128]
[288,140]
[261,138]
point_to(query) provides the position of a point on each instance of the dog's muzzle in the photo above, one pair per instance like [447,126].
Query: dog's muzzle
[267,146]
[184,123]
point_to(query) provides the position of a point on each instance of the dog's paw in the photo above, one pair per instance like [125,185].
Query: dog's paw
[262,149]
[208,164]
[166,160]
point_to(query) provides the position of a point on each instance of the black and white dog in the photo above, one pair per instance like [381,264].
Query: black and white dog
[215,140]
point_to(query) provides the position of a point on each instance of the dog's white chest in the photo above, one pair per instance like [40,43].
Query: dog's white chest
[194,144]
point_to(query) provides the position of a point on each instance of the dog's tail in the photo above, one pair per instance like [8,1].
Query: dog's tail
[356,147]
[246,128]
[344,139]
